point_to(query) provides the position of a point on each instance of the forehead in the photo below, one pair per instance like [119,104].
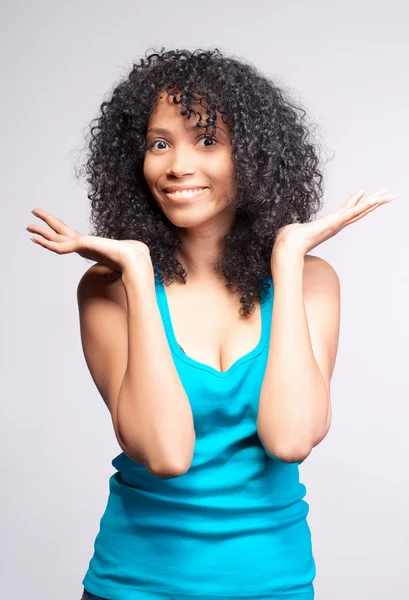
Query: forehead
[166,111]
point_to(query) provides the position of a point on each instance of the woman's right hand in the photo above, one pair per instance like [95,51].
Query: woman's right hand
[62,239]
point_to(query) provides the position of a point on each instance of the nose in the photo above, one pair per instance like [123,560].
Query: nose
[180,164]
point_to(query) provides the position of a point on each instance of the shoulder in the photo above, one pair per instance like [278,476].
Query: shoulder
[319,276]
[321,291]
[100,280]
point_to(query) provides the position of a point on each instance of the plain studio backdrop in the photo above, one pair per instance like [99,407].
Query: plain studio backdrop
[346,62]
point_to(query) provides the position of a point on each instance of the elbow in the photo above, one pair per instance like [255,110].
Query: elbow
[164,467]
[293,454]
[289,454]
[159,469]
[284,451]
[169,471]
[175,468]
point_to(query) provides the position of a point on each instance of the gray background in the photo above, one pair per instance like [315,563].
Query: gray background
[345,61]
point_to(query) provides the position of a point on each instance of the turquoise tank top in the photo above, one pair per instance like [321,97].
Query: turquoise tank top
[234,526]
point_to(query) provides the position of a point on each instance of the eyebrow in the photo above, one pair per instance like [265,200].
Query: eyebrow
[162,131]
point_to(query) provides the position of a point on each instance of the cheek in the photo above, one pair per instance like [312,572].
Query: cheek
[148,171]
[144,169]
[220,168]
[225,174]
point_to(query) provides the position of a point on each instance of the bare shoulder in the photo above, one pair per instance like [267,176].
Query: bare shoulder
[318,276]
[322,305]
[100,280]
[103,325]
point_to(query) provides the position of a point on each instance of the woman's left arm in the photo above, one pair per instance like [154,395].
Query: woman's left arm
[294,412]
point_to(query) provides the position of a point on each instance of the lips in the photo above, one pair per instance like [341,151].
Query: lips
[172,189]
[185,195]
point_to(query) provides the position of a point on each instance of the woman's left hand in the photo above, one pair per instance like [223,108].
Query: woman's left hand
[300,238]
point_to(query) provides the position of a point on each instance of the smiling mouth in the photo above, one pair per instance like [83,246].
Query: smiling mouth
[185,194]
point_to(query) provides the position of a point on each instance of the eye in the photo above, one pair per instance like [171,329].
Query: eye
[156,142]
[152,144]
[208,138]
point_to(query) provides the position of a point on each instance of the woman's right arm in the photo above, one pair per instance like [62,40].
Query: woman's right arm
[127,353]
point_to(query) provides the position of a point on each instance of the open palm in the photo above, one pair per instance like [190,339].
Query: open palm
[62,239]
[303,237]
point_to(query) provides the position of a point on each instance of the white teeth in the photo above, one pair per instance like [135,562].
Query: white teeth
[187,192]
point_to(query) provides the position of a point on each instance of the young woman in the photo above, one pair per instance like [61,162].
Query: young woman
[209,331]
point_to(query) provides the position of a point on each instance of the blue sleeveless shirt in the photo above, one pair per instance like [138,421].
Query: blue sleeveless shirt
[234,526]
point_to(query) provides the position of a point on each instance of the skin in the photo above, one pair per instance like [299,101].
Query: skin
[294,414]
[307,296]
[184,157]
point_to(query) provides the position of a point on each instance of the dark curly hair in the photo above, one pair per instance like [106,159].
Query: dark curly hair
[274,163]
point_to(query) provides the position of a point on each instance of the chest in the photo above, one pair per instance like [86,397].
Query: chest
[209,328]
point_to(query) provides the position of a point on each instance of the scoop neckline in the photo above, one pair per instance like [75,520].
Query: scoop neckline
[200,365]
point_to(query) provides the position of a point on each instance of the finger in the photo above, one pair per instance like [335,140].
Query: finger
[49,234]
[55,223]
[360,209]
[377,196]
[358,198]
[353,200]
[57,247]
[367,210]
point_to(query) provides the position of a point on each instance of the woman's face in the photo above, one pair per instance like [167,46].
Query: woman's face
[178,154]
